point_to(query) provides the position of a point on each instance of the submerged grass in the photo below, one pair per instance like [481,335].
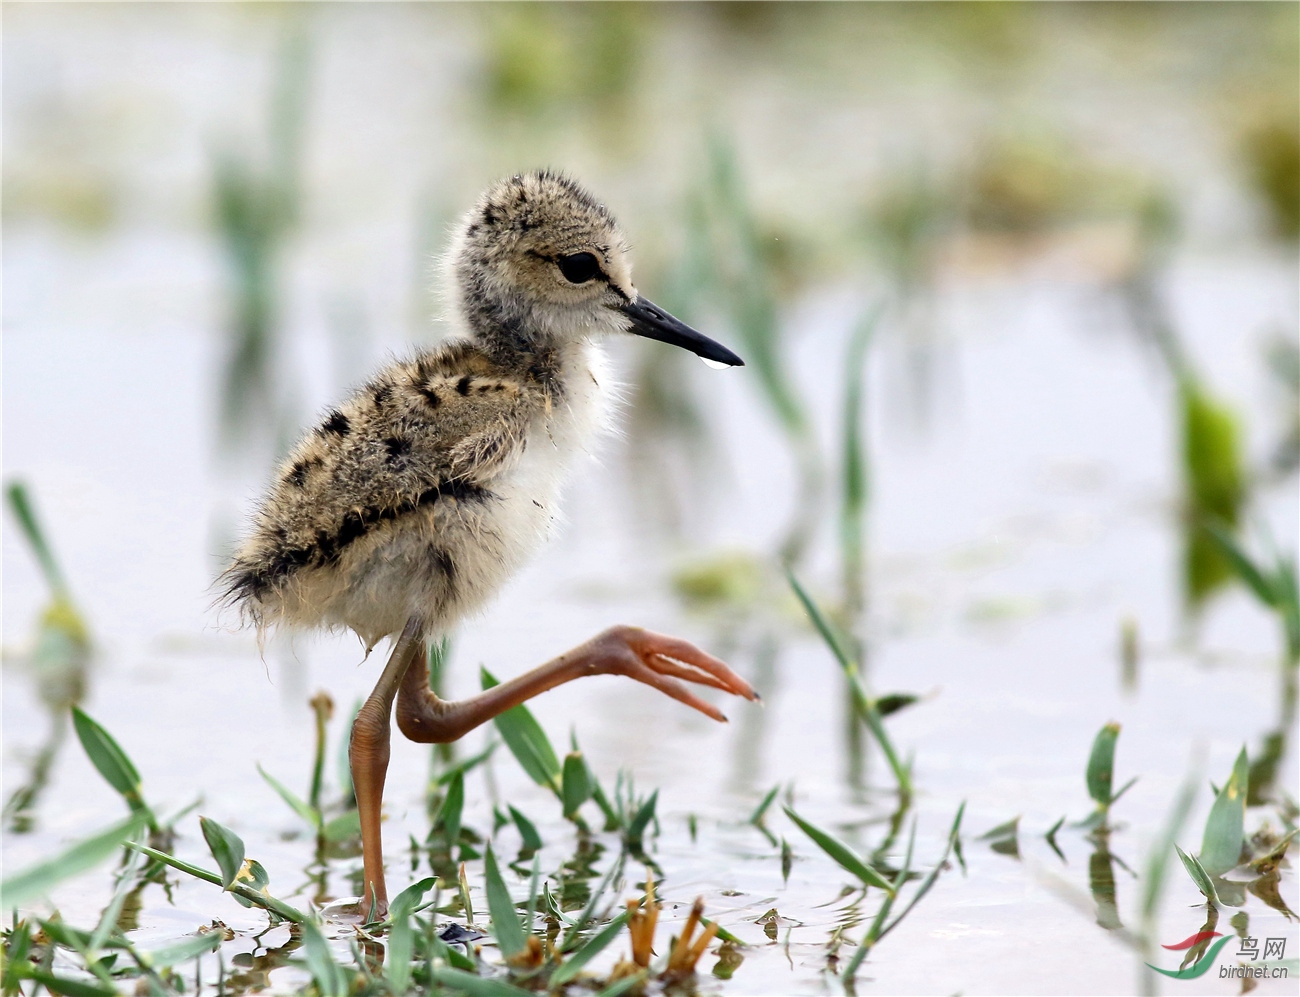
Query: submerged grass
[551,953]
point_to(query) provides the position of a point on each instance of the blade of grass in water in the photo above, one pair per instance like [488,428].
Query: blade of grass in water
[588,951]
[226,847]
[588,912]
[1214,486]
[1225,826]
[401,937]
[323,711]
[108,919]
[575,787]
[505,919]
[453,805]
[39,879]
[636,827]
[183,951]
[21,506]
[460,982]
[875,934]
[310,815]
[527,741]
[1275,587]
[330,977]
[1162,850]
[864,702]
[112,763]
[1200,876]
[1100,773]
[529,837]
[886,905]
[841,853]
[760,811]
[854,481]
[239,889]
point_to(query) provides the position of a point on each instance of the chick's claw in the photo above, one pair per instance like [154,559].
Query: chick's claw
[659,662]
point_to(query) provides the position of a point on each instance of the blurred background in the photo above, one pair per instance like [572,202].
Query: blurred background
[1017,290]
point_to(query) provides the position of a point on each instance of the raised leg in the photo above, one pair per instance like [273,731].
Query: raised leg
[368,750]
[651,658]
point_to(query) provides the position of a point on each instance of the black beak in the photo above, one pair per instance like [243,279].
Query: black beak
[651,321]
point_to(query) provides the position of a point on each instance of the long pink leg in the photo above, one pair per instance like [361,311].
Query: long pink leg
[368,751]
[651,658]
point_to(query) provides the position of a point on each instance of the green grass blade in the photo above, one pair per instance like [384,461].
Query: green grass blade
[183,951]
[576,925]
[1158,863]
[612,822]
[198,872]
[40,879]
[1242,565]
[345,825]
[505,919]
[475,986]
[866,707]
[532,841]
[401,935]
[69,987]
[854,483]
[329,975]
[20,505]
[410,897]
[258,899]
[637,825]
[723,933]
[575,787]
[526,740]
[1122,790]
[1225,826]
[533,882]
[468,765]
[466,901]
[449,814]
[760,811]
[1284,580]
[1199,876]
[588,951]
[343,760]
[312,817]
[399,948]
[227,848]
[1214,482]
[111,762]
[627,984]
[108,919]
[841,853]
[954,837]
[1101,764]
[877,926]
[452,955]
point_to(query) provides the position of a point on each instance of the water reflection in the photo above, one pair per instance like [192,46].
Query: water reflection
[59,661]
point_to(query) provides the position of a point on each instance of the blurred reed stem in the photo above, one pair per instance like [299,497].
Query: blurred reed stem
[257,210]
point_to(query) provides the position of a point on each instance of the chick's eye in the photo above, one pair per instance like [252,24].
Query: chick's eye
[578,268]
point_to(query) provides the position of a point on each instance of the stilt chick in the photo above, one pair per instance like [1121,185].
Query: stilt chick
[414,500]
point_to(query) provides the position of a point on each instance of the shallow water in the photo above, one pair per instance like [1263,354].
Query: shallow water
[1007,545]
